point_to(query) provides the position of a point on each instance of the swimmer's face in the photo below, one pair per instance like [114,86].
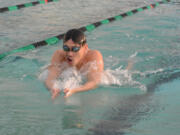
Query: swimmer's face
[74,52]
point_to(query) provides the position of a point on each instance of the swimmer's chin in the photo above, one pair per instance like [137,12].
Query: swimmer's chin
[70,63]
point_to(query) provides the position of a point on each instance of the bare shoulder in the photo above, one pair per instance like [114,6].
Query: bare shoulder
[94,55]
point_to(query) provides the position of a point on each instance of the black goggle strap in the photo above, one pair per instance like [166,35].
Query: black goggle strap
[82,42]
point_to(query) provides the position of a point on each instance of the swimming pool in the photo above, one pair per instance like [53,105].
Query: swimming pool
[142,101]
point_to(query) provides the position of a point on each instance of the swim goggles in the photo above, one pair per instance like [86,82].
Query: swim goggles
[73,49]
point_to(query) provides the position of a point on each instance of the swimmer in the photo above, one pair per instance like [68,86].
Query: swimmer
[75,53]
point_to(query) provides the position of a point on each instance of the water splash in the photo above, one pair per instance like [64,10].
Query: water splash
[120,77]
[71,78]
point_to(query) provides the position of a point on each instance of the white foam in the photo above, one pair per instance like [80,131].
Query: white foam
[71,78]
[120,77]
[149,72]
[43,73]
[134,55]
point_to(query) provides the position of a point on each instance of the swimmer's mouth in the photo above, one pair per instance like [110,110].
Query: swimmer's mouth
[69,60]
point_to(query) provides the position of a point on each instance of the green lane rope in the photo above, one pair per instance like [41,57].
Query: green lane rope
[54,40]
[17,7]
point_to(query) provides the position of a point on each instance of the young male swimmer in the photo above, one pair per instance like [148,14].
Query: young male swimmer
[75,53]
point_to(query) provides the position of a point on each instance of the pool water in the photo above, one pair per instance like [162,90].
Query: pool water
[142,101]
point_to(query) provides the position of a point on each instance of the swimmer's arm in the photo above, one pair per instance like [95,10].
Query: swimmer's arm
[93,81]
[53,71]
[52,76]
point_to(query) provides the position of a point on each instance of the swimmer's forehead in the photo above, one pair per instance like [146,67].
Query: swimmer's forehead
[71,43]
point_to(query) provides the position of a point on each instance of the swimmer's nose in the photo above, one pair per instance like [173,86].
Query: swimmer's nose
[70,54]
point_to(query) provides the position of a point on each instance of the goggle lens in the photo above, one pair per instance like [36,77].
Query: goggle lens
[73,49]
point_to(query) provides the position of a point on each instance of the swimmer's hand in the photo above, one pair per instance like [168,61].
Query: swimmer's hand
[68,92]
[55,93]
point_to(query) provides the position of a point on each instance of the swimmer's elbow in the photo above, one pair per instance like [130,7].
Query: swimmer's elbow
[48,84]
[94,84]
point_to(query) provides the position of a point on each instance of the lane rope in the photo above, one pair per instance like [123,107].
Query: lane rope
[20,6]
[89,28]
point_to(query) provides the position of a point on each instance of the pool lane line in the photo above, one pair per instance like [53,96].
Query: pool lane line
[20,6]
[55,39]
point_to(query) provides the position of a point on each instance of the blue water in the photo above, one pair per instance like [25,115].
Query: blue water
[164,121]
[142,101]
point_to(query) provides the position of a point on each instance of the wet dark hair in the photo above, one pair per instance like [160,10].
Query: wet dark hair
[76,35]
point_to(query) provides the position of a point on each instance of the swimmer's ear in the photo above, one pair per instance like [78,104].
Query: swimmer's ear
[86,45]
